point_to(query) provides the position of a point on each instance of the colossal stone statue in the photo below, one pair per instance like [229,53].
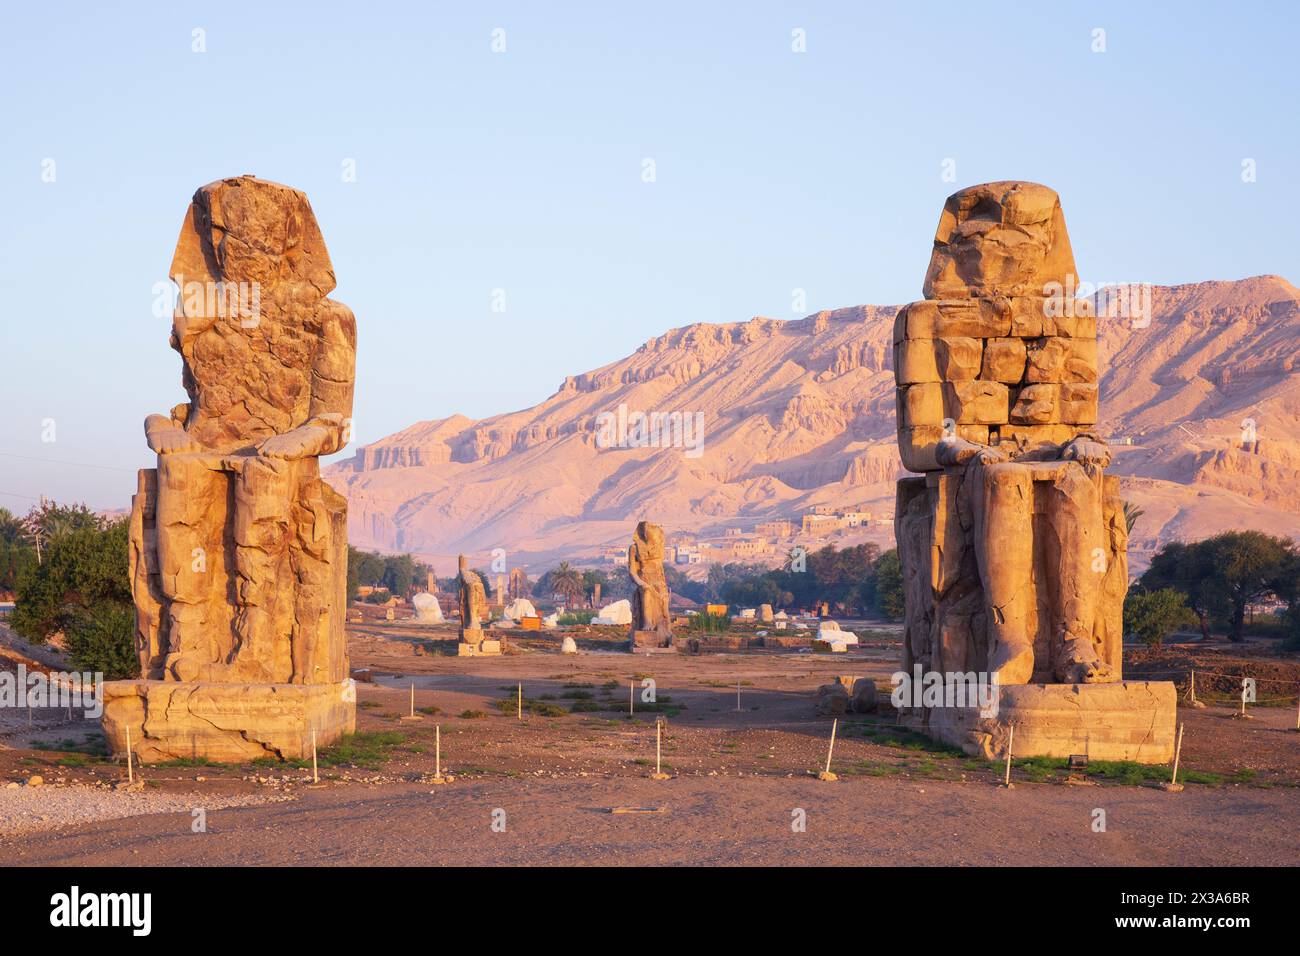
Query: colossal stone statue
[238,549]
[1013,544]
[472,599]
[651,622]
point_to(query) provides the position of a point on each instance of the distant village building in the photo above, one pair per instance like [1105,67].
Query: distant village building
[780,528]
[615,555]
[750,547]
[821,523]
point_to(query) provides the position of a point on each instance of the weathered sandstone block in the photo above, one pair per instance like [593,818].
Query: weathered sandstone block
[1004,361]
[1037,405]
[959,359]
[976,402]
[1078,403]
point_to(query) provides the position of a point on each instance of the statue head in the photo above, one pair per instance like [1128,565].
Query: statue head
[999,239]
[246,229]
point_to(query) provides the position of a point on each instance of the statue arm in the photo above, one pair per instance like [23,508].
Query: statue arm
[1088,449]
[332,378]
[958,451]
[166,433]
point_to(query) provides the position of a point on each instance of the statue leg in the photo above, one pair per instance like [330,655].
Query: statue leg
[189,543]
[1074,506]
[265,489]
[1004,552]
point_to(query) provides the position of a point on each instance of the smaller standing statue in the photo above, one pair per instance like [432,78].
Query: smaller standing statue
[473,612]
[651,622]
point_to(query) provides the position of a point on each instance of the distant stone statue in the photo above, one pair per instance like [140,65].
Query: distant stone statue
[473,614]
[1013,545]
[238,549]
[651,622]
[518,584]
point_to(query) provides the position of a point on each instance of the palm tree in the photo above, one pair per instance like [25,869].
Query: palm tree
[1131,514]
[568,581]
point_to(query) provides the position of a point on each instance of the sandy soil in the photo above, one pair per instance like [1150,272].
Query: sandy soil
[738,775]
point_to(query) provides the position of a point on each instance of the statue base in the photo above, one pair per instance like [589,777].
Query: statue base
[1125,720]
[225,723]
[646,641]
[473,644]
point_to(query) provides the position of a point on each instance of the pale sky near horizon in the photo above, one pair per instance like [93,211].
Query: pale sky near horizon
[522,170]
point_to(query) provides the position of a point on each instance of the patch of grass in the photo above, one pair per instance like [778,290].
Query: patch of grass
[869,768]
[576,695]
[430,710]
[367,704]
[186,762]
[706,623]
[576,617]
[370,749]
[471,714]
[77,760]
[510,706]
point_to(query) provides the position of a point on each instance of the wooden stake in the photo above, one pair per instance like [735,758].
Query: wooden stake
[412,699]
[737,693]
[1011,737]
[130,772]
[826,774]
[1297,712]
[1191,689]
[631,697]
[315,777]
[659,732]
[1178,750]
[520,708]
[437,751]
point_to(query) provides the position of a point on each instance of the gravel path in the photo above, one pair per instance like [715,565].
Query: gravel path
[705,820]
[30,809]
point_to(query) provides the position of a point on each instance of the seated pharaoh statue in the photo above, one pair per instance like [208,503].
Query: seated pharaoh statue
[238,548]
[1013,544]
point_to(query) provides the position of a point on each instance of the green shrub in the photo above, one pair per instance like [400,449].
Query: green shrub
[707,623]
[101,639]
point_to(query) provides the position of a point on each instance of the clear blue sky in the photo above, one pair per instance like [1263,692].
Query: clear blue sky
[522,171]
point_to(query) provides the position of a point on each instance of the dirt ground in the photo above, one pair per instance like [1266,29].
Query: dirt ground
[542,790]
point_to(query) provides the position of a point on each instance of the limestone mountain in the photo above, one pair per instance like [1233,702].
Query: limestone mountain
[801,413]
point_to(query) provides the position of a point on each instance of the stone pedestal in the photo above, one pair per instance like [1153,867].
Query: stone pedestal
[650,641]
[229,723]
[473,644]
[1123,720]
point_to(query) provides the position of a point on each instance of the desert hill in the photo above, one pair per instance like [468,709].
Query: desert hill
[800,413]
